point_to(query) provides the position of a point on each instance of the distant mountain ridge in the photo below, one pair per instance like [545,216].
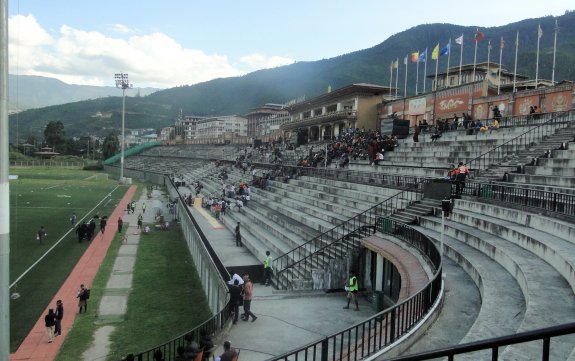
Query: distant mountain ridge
[27,91]
[238,95]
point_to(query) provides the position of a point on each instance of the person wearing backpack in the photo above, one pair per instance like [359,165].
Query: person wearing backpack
[83,296]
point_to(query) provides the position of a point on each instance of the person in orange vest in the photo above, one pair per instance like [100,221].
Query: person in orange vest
[462,173]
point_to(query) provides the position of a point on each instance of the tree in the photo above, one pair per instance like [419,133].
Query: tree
[54,133]
[110,146]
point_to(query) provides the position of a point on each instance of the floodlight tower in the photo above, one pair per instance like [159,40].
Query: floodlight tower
[123,83]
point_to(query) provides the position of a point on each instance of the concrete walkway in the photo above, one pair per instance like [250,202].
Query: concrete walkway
[114,302]
[35,346]
[286,320]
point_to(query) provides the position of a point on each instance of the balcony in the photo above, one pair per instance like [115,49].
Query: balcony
[321,119]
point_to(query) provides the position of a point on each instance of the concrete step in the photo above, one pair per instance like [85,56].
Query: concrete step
[554,181]
[502,308]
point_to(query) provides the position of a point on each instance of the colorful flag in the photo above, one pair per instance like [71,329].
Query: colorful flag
[445,50]
[395,64]
[539,32]
[405,60]
[459,40]
[478,35]
[502,43]
[423,56]
[435,52]
[415,57]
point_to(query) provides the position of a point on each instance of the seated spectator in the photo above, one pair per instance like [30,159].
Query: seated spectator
[191,348]
[229,353]
[158,355]
[239,204]
[494,125]
[378,157]
[435,136]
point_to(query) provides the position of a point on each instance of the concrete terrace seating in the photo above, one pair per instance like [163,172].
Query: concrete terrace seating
[290,214]
[505,250]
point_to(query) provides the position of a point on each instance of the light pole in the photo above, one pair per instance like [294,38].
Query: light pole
[123,83]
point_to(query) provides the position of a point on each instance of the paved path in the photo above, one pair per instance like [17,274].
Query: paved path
[35,346]
[114,302]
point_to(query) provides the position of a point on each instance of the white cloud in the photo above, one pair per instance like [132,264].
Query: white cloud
[90,57]
[259,61]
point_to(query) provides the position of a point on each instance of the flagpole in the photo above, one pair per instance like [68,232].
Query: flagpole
[425,71]
[405,83]
[488,58]
[390,75]
[416,76]
[475,61]
[461,59]
[396,75]
[500,58]
[554,50]
[436,66]
[539,32]
[515,67]
[448,56]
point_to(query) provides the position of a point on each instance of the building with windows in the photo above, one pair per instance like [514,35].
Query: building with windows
[230,126]
[330,114]
[185,128]
[489,71]
[264,122]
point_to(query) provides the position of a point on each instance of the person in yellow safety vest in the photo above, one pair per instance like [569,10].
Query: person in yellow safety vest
[352,287]
[267,269]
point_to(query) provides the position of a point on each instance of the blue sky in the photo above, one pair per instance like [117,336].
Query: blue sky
[177,42]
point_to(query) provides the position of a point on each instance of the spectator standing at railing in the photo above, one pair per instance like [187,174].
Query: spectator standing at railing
[238,235]
[462,173]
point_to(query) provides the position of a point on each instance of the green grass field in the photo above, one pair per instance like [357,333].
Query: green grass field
[48,196]
[166,296]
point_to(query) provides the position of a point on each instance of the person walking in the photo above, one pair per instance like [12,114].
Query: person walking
[73,219]
[144,207]
[103,222]
[133,207]
[238,236]
[248,295]
[352,288]
[41,234]
[83,295]
[59,314]
[267,269]
[120,224]
[140,220]
[235,299]
[49,321]
[82,230]
[91,229]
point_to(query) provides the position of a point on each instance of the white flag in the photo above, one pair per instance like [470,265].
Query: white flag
[459,40]
[539,32]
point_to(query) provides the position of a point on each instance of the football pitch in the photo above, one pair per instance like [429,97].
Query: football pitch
[48,197]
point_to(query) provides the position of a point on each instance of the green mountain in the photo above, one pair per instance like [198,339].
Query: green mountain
[26,92]
[238,95]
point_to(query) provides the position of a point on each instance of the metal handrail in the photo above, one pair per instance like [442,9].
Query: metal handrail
[386,327]
[494,344]
[338,234]
[522,140]
[561,203]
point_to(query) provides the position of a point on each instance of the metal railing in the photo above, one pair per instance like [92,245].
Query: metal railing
[542,337]
[562,203]
[46,163]
[387,327]
[337,241]
[522,141]
[211,271]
